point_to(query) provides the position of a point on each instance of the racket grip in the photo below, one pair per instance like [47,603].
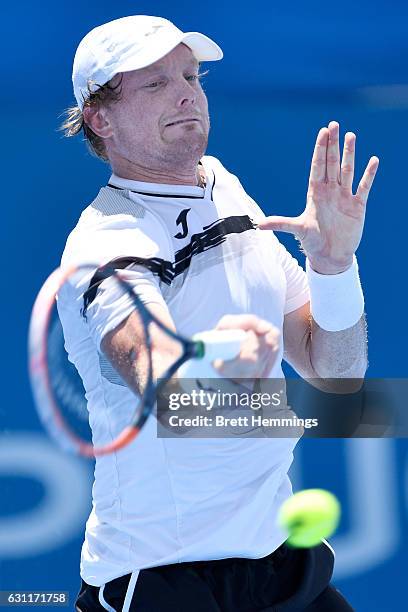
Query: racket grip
[222,344]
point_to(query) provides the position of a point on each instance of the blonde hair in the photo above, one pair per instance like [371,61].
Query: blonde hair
[74,119]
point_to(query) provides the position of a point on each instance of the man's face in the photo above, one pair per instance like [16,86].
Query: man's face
[161,120]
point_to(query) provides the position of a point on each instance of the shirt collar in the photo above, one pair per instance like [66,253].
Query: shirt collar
[157,189]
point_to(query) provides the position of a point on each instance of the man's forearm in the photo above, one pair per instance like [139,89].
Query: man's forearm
[339,354]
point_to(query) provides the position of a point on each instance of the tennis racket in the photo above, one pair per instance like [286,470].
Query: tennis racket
[57,387]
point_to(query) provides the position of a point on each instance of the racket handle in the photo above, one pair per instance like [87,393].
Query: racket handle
[222,344]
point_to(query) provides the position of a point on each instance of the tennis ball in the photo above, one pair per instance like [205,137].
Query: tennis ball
[309,516]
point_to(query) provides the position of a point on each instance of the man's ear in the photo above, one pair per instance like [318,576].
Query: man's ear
[96,118]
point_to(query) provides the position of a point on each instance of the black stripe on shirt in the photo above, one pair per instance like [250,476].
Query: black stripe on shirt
[162,268]
[212,236]
[162,195]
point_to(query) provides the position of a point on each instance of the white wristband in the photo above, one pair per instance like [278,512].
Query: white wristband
[336,300]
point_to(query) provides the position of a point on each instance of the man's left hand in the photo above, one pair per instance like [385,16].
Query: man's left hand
[331,226]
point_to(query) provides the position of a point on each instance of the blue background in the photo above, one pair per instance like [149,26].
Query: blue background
[287,71]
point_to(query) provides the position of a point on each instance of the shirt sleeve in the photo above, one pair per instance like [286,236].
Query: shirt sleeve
[101,302]
[112,304]
[297,289]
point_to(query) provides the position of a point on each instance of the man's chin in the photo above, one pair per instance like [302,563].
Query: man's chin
[187,147]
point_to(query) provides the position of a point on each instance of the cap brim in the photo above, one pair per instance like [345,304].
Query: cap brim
[203,48]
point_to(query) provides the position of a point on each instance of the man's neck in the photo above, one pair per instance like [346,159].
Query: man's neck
[135,172]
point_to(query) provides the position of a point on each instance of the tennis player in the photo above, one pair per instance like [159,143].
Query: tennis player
[183,525]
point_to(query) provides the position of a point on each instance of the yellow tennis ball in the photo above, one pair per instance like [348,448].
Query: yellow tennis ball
[309,516]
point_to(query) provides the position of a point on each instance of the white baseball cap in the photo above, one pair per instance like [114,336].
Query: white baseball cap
[128,44]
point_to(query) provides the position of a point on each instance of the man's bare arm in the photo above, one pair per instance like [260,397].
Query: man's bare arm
[125,348]
[329,230]
[325,358]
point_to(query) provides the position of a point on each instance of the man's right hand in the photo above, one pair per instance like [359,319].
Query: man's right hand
[259,351]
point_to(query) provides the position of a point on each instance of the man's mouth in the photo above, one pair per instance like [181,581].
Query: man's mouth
[181,121]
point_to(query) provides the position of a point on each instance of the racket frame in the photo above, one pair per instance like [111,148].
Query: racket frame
[39,373]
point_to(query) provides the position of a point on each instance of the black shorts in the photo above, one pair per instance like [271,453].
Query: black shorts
[287,580]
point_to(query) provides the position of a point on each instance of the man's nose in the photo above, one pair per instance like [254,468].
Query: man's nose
[186,96]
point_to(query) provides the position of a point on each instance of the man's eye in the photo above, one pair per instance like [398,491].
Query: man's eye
[154,84]
[196,77]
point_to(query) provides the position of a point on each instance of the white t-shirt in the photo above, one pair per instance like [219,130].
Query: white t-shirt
[195,251]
